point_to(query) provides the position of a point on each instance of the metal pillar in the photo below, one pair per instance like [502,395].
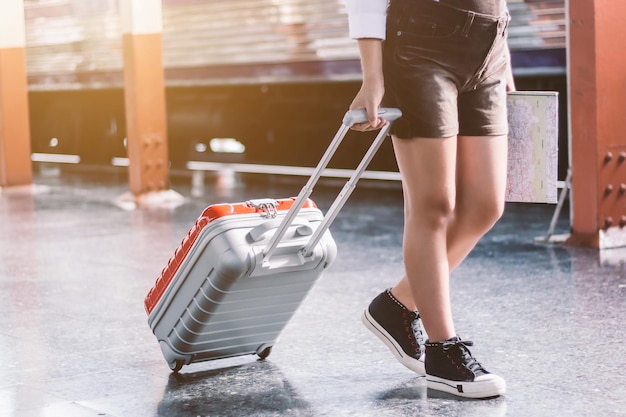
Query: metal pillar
[15,163]
[597,89]
[144,88]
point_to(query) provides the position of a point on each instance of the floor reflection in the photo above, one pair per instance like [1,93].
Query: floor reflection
[257,388]
[418,400]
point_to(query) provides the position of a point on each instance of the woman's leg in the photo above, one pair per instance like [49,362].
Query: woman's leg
[428,170]
[480,185]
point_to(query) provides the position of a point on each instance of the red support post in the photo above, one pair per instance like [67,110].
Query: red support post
[15,162]
[144,87]
[597,87]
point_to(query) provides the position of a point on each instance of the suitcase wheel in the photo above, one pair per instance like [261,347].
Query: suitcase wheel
[177,365]
[265,352]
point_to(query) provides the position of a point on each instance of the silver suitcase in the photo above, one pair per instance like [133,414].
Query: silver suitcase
[243,269]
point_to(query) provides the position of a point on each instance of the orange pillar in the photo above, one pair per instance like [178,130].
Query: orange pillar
[144,87]
[597,84]
[15,163]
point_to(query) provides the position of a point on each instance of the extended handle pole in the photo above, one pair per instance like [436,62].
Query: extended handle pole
[351,117]
[345,193]
[304,193]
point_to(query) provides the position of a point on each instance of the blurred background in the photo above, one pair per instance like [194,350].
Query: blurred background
[246,81]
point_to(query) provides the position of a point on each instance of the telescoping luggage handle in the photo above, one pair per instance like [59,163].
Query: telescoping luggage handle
[351,117]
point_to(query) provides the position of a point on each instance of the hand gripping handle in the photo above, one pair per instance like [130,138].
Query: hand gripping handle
[360,115]
[350,118]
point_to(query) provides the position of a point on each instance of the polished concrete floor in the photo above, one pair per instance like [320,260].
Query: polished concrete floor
[75,265]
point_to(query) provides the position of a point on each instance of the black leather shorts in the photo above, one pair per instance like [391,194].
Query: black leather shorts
[445,68]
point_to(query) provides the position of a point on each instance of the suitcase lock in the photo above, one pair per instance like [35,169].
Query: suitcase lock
[267,205]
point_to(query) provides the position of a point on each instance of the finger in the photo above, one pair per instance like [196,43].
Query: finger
[372,116]
[361,127]
[364,127]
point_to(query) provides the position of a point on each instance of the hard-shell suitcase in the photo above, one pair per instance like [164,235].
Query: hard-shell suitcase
[243,269]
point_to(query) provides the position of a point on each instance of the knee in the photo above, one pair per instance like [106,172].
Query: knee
[434,212]
[481,215]
[490,214]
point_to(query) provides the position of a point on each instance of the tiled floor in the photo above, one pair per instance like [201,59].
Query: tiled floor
[75,267]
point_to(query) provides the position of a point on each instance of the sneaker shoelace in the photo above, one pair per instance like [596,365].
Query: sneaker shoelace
[461,348]
[417,328]
[413,327]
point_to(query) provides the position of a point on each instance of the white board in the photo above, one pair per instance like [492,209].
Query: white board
[533,147]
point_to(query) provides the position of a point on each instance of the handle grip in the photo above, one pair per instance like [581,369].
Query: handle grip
[360,115]
[303,228]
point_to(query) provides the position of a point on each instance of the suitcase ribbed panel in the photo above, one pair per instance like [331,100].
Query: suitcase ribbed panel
[221,323]
[215,300]
[210,214]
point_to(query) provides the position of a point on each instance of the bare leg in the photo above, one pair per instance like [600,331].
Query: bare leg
[479,202]
[428,169]
[481,183]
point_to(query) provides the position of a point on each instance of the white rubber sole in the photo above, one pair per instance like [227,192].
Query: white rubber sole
[415,365]
[485,386]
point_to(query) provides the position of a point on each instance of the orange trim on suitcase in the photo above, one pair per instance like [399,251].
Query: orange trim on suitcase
[211,213]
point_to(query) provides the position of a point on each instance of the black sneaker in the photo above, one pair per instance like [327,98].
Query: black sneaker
[398,328]
[450,367]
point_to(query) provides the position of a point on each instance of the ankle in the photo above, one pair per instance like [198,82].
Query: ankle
[439,338]
[406,300]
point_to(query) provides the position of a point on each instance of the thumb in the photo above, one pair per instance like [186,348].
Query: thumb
[372,115]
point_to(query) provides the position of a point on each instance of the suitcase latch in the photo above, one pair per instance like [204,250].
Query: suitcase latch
[267,205]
